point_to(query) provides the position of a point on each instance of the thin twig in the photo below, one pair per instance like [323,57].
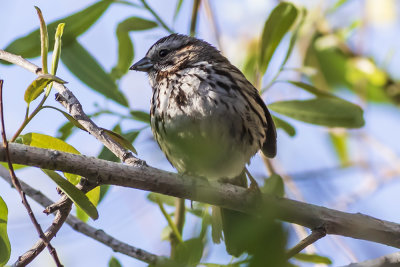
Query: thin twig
[179,221]
[312,238]
[162,23]
[81,227]
[193,21]
[17,184]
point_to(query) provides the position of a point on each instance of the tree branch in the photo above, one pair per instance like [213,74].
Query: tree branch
[79,226]
[74,108]
[225,195]
[313,237]
[390,260]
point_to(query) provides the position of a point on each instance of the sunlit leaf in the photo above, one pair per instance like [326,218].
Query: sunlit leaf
[140,116]
[114,262]
[331,112]
[94,197]
[78,23]
[284,125]
[277,25]
[311,89]
[120,140]
[50,142]
[57,48]
[38,85]
[77,196]
[68,117]
[314,258]
[44,40]
[5,246]
[85,67]
[125,45]
[339,142]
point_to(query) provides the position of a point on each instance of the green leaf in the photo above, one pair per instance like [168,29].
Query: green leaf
[311,89]
[331,112]
[44,40]
[65,131]
[37,86]
[314,258]
[339,142]
[284,125]
[5,247]
[77,196]
[295,34]
[94,197]
[140,116]
[177,9]
[155,197]
[57,48]
[189,252]
[50,142]
[277,25]
[68,117]
[125,45]
[86,68]
[113,262]
[120,140]
[274,185]
[78,23]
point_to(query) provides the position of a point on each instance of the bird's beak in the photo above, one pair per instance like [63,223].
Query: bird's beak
[144,64]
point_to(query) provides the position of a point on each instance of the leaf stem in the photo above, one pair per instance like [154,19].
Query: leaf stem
[170,222]
[162,23]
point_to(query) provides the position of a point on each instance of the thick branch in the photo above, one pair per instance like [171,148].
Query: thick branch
[390,260]
[79,226]
[228,196]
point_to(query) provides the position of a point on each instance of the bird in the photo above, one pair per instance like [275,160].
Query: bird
[206,117]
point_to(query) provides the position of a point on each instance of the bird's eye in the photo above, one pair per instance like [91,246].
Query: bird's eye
[163,52]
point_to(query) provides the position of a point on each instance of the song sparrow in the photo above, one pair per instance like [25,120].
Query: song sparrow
[207,118]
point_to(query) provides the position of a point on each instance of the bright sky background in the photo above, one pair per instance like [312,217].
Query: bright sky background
[125,213]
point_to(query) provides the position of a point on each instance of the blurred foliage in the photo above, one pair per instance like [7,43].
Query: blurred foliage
[329,66]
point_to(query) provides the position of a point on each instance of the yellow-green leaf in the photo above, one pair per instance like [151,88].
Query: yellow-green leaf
[38,85]
[331,112]
[284,125]
[121,140]
[113,262]
[57,48]
[69,117]
[44,40]
[277,25]
[5,247]
[140,116]
[314,258]
[77,196]
[94,196]
[50,142]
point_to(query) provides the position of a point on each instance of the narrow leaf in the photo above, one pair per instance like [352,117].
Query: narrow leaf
[93,196]
[120,140]
[5,247]
[38,85]
[277,25]
[177,9]
[125,45]
[77,196]
[314,258]
[68,117]
[331,112]
[114,262]
[339,142]
[78,23]
[140,116]
[86,68]
[57,48]
[44,40]
[311,89]
[284,125]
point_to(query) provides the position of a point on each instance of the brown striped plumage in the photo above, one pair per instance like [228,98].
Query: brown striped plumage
[208,119]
